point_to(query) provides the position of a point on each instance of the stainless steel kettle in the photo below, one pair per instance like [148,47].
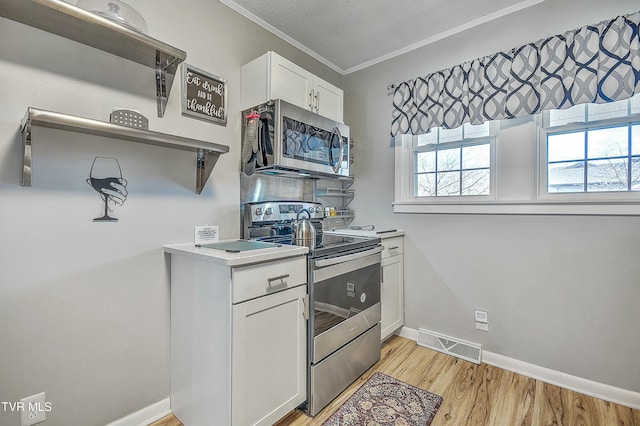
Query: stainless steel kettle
[304,231]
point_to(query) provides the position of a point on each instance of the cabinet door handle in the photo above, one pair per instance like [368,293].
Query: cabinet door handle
[317,96]
[311,97]
[278,278]
[381,274]
[305,302]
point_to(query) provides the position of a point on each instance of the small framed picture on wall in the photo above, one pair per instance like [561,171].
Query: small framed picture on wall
[204,95]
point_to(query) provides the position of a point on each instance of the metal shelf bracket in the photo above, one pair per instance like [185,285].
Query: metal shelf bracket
[26,155]
[161,90]
[205,162]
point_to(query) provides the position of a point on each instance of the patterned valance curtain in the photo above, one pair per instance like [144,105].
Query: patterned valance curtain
[597,63]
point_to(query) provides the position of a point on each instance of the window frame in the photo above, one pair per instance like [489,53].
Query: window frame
[406,165]
[579,197]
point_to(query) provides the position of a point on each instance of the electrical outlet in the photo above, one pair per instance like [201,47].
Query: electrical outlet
[482,326]
[34,410]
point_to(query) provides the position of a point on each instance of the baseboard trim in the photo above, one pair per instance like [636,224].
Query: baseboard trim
[409,333]
[145,416]
[603,391]
[577,384]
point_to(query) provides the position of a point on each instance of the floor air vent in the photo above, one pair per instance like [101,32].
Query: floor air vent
[450,345]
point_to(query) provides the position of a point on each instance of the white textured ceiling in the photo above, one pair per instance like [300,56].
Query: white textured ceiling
[349,35]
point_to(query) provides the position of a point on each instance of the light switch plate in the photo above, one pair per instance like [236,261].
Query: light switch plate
[481,316]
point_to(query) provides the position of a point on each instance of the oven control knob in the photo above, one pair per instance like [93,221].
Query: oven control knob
[268,211]
[258,211]
[318,209]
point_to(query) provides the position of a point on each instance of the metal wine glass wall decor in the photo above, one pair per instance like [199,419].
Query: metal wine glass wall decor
[106,178]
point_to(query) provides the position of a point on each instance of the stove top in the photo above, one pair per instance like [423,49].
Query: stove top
[271,221]
[328,244]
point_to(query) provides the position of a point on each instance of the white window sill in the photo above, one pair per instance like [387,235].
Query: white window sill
[521,208]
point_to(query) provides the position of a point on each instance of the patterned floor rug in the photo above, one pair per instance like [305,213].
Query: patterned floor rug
[383,400]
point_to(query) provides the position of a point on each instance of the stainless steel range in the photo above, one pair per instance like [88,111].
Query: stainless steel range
[344,290]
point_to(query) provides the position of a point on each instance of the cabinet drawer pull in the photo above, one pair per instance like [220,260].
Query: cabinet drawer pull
[394,248]
[278,278]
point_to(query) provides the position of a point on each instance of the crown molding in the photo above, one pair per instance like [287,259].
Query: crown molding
[250,16]
[460,28]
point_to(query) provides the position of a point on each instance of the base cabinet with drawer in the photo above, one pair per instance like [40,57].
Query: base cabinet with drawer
[392,285]
[238,340]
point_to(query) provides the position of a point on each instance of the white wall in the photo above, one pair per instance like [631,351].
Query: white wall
[561,291]
[84,306]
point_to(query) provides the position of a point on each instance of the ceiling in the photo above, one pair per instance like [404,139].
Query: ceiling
[349,35]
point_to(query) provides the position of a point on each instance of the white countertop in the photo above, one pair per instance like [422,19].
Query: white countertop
[367,233]
[236,259]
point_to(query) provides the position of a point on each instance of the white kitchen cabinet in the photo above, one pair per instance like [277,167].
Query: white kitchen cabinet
[392,285]
[269,356]
[273,77]
[328,100]
[238,334]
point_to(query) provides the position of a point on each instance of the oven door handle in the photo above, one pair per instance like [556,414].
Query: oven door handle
[341,259]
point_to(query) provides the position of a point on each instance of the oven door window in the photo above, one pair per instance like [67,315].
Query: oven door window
[313,144]
[343,296]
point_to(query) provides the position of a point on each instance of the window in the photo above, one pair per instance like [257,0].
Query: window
[591,151]
[452,163]
[583,160]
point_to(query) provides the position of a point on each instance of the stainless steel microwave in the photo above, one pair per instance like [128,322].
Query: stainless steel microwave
[283,139]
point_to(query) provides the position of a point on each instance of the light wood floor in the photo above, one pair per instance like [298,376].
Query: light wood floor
[476,394]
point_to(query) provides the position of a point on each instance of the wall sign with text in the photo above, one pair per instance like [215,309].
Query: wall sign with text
[204,95]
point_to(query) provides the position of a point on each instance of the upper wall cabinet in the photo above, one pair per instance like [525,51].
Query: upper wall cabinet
[273,77]
[67,20]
